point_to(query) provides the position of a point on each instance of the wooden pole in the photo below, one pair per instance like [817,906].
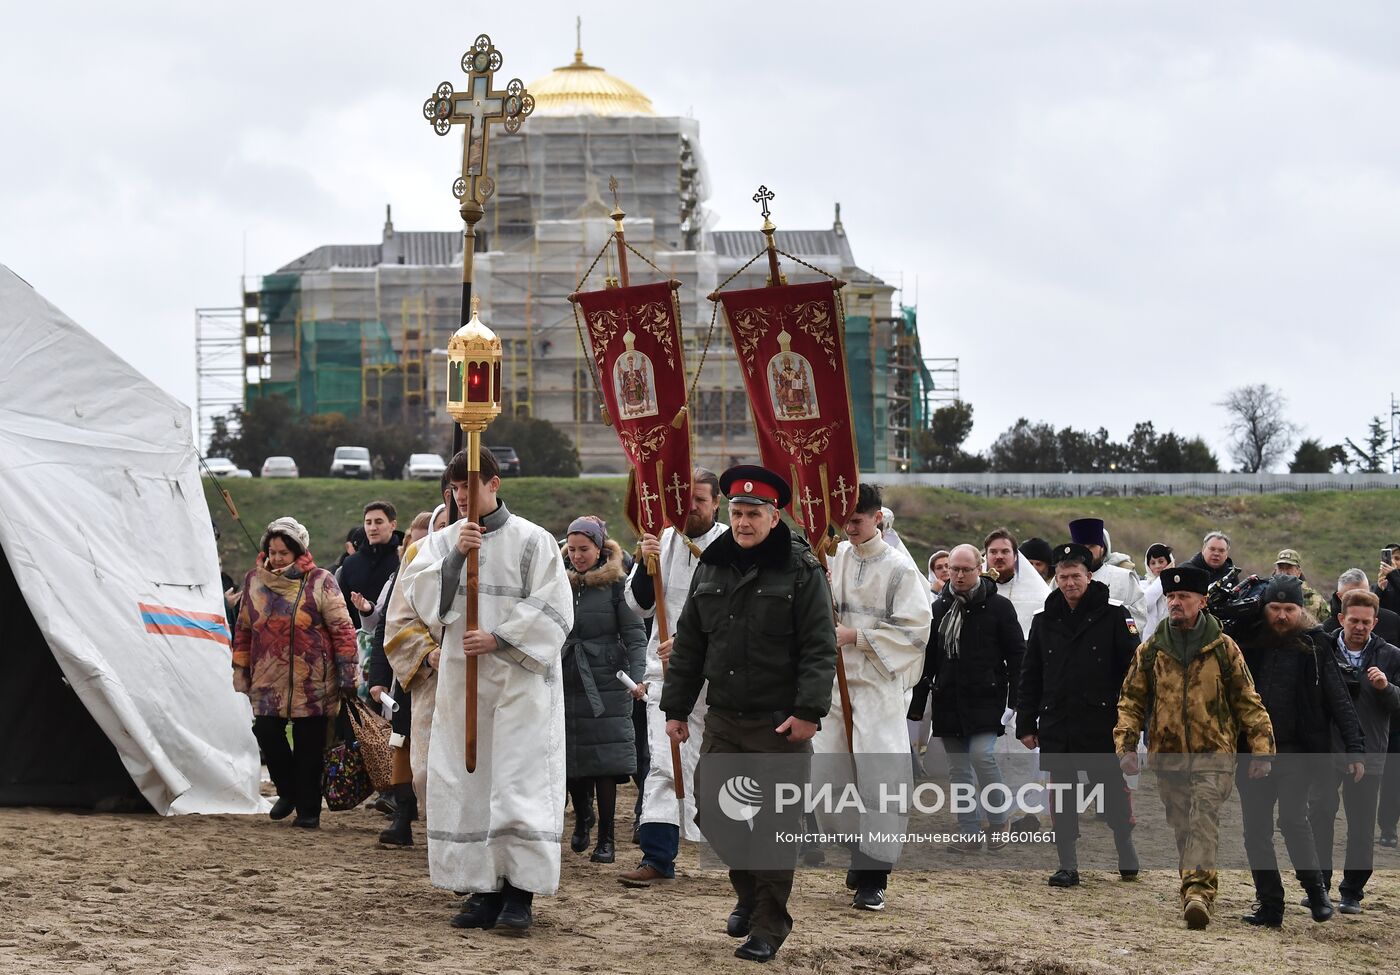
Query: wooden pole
[473,584]
[658,588]
[843,687]
[663,631]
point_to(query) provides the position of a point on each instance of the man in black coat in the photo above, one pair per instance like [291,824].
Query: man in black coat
[1387,629]
[1305,698]
[1214,556]
[1079,650]
[971,667]
[364,574]
[1370,668]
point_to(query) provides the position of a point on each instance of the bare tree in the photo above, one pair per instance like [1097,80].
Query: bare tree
[1259,432]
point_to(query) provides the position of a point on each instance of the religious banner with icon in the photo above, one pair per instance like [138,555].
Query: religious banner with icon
[635,340]
[790,344]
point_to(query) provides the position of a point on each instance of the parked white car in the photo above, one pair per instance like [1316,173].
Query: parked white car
[423,467]
[223,467]
[280,467]
[352,462]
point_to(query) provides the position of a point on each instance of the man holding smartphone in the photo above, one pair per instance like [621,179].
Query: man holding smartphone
[1388,586]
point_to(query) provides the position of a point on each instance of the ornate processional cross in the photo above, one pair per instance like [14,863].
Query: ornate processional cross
[476,109]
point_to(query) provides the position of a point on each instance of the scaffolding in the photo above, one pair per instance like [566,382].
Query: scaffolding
[362,329]
[227,354]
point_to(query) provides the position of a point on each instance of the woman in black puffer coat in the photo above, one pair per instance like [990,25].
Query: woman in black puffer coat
[607,637]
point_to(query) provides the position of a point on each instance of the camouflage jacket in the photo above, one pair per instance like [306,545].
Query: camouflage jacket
[1200,708]
[1314,602]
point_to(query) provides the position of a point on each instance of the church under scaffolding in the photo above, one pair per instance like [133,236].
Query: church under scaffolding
[361,329]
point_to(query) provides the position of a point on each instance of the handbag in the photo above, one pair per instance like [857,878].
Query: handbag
[345,781]
[372,732]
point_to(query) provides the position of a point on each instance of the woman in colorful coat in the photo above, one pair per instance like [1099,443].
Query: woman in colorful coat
[607,637]
[294,655]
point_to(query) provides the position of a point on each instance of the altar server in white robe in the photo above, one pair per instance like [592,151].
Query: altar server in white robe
[495,832]
[883,618]
[662,820]
[1016,578]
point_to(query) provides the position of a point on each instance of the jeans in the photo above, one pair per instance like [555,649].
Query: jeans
[972,761]
[660,843]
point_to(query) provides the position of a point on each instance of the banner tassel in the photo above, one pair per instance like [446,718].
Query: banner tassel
[694,549]
[680,417]
[607,420]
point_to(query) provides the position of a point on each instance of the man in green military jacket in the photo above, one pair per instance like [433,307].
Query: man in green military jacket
[1189,688]
[758,626]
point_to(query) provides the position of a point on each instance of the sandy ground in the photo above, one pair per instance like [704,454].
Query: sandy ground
[89,893]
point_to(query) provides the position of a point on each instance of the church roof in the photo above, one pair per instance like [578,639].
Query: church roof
[800,243]
[430,247]
[585,89]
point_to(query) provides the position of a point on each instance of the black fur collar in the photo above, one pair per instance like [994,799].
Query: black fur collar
[774,552]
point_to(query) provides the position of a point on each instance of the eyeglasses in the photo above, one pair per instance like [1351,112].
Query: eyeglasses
[955,570]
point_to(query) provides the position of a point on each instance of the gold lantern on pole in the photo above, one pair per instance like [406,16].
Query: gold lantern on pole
[473,401]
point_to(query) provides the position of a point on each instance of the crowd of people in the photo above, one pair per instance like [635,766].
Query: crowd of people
[592,669]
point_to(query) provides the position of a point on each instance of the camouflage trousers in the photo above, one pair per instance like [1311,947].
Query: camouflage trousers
[1192,801]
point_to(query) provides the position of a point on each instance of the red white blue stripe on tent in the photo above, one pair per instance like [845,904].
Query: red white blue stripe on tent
[170,621]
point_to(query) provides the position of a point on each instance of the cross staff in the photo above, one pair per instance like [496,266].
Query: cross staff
[475,110]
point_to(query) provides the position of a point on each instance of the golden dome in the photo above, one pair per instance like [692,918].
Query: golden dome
[583,89]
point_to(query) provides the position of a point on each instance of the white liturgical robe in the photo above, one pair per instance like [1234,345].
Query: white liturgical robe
[505,820]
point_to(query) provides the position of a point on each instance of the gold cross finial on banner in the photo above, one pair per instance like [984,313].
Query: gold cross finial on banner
[475,110]
[612,185]
[762,198]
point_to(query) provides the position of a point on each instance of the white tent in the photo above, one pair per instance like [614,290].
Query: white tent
[109,571]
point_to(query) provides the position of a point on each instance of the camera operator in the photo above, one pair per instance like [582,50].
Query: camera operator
[1369,666]
[1305,698]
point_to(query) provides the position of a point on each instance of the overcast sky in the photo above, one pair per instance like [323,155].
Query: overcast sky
[1109,211]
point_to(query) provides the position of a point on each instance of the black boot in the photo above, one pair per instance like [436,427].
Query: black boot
[1319,903]
[583,824]
[516,914]
[604,851]
[480,911]
[1265,916]
[400,831]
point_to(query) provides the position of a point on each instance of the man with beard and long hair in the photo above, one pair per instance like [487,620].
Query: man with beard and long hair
[662,820]
[1305,698]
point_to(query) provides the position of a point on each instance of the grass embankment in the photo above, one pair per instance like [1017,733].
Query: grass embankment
[1332,530]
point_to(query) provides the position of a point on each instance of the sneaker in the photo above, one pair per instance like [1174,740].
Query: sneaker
[1197,913]
[1349,905]
[1389,841]
[869,899]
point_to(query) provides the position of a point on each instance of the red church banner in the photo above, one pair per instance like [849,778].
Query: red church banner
[635,340]
[791,345]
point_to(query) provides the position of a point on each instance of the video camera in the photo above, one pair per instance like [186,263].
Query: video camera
[1239,606]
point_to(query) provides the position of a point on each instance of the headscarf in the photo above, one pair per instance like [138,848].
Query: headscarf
[590,527]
